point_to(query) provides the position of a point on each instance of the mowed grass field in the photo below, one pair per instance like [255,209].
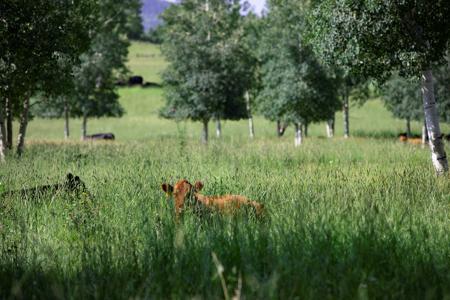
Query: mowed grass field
[346,219]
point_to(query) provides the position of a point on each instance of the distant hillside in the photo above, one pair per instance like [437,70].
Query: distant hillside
[151,9]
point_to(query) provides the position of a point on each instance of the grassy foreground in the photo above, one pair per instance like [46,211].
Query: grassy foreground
[358,218]
[348,219]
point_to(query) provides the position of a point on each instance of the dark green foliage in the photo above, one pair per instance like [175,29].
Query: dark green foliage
[403,98]
[254,30]
[40,42]
[154,35]
[93,92]
[49,107]
[352,85]
[209,69]
[442,88]
[134,25]
[374,38]
[295,86]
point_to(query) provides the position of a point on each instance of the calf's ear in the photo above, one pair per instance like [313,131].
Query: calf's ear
[167,188]
[198,186]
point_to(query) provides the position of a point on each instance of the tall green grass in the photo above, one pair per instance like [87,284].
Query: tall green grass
[345,219]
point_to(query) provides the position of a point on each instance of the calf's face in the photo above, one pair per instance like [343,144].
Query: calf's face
[181,191]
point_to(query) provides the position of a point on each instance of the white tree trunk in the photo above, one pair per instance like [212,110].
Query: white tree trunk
[218,128]
[9,126]
[23,126]
[84,127]
[408,127]
[205,122]
[2,136]
[330,127]
[3,125]
[345,110]
[281,128]
[208,37]
[298,134]
[66,121]
[251,127]
[205,132]
[2,148]
[438,155]
[424,133]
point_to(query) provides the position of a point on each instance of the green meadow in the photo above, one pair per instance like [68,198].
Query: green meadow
[356,218]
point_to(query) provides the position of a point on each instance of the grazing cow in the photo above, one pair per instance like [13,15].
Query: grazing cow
[100,136]
[71,184]
[414,139]
[135,80]
[148,84]
[186,194]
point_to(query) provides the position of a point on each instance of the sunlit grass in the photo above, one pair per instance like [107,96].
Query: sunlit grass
[146,60]
[141,120]
[343,215]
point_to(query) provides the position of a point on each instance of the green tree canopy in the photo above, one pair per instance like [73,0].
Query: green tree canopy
[209,69]
[443,89]
[376,38]
[402,97]
[93,92]
[296,87]
[40,42]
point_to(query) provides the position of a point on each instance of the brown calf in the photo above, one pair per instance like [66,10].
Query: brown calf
[186,194]
[415,140]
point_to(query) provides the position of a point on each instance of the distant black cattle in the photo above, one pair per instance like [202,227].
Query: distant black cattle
[135,80]
[151,84]
[100,136]
[71,184]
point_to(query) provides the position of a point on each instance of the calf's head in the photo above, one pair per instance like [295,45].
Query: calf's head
[182,191]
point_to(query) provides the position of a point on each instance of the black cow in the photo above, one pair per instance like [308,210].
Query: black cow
[149,84]
[135,80]
[71,184]
[100,136]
